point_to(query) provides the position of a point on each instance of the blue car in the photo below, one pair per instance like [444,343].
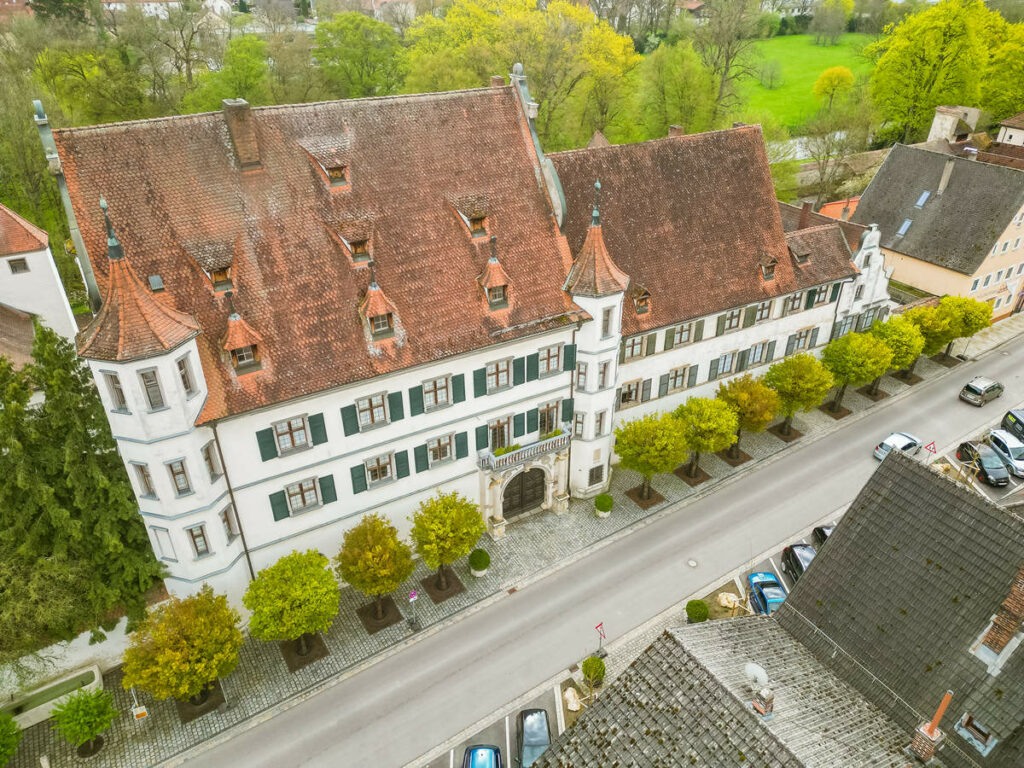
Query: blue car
[482,756]
[766,593]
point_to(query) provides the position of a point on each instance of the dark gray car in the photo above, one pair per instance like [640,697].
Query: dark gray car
[533,735]
[1013,422]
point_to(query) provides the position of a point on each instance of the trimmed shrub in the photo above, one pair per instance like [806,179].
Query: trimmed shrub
[10,735]
[603,502]
[593,670]
[84,715]
[479,559]
[697,611]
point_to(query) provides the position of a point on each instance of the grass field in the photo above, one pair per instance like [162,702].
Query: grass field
[801,61]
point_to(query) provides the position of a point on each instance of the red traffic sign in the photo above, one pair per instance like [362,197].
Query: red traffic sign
[600,630]
[413,595]
[930,447]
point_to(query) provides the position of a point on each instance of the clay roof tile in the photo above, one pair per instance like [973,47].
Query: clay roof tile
[594,273]
[18,235]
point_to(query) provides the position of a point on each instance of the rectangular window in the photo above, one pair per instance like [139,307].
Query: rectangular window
[164,546]
[634,347]
[988,279]
[630,393]
[371,410]
[243,356]
[498,432]
[606,323]
[1006,245]
[1009,274]
[845,326]
[230,523]
[151,386]
[549,360]
[1020,269]
[858,293]
[221,279]
[1016,244]
[976,729]
[997,304]
[302,495]
[497,296]
[210,459]
[145,480]
[18,266]
[499,375]
[757,353]
[974,285]
[581,377]
[440,449]
[380,325]
[435,393]
[577,424]
[802,337]
[733,319]
[179,477]
[999,275]
[116,393]
[822,296]
[596,474]
[360,250]
[764,311]
[200,545]
[794,302]
[599,422]
[291,434]
[725,363]
[547,418]
[185,374]
[602,374]
[677,379]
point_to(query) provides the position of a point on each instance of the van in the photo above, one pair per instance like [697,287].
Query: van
[1013,422]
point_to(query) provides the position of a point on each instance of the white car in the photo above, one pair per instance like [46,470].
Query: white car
[901,440]
[1010,450]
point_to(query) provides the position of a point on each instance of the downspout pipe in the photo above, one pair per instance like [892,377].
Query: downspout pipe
[234,506]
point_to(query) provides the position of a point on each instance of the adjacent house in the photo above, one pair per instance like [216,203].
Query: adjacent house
[311,312]
[900,646]
[1011,130]
[950,225]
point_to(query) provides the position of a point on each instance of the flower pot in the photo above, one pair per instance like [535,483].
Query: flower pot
[478,574]
[601,514]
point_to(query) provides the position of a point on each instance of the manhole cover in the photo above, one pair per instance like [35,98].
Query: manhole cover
[692,563]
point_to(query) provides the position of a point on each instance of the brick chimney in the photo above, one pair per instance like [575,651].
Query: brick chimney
[676,130]
[764,702]
[497,81]
[243,133]
[928,737]
[1009,617]
[805,215]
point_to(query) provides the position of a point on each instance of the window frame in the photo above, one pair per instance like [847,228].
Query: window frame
[504,423]
[194,539]
[290,432]
[677,378]
[579,423]
[182,472]
[148,393]
[635,387]
[384,332]
[730,359]
[211,460]
[591,482]
[752,358]
[229,520]
[188,381]
[145,480]
[221,279]
[371,408]
[548,412]
[764,311]
[545,356]
[821,296]
[794,303]
[245,358]
[116,392]
[634,343]
[22,263]
[974,285]
[599,423]
[581,377]
[501,368]
[603,369]
[733,320]
[157,530]
[301,493]
[431,388]
[803,338]
[497,296]
[607,323]
[443,441]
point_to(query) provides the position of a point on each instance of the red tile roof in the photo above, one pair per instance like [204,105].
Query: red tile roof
[594,273]
[174,184]
[18,235]
[689,219]
[239,334]
[791,216]
[834,210]
[1016,121]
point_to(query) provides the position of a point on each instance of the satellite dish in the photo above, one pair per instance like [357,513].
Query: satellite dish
[756,676]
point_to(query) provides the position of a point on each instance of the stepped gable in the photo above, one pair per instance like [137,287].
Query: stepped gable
[792,216]
[266,185]
[688,218]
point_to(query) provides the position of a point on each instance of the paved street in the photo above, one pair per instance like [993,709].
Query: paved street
[395,711]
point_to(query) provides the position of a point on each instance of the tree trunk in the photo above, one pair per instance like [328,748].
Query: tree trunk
[908,372]
[694,465]
[200,698]
[302,648]
[949,348]
[442,579]
[379,614]
[874,386]
[645,488]
[734,449]
[837,403]
[787,426]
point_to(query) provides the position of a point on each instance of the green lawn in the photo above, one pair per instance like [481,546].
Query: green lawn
[801,61]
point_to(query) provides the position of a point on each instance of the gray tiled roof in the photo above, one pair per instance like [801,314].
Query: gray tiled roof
[956,229]
[900,593]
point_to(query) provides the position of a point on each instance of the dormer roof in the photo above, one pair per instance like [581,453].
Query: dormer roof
[594,273]
[493,274]
[132,323]
[375,303]
[239,334]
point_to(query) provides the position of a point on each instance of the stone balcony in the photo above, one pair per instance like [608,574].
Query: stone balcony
[487,460]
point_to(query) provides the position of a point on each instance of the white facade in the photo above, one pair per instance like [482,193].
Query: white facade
[1008,135]
[29,282]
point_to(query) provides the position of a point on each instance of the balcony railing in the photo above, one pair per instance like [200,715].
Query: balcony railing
[487,460]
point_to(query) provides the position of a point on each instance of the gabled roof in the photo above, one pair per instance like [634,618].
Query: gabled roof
[955,229]
[18,235]
[688,218]
[1016,121]
[176,181]
[791,216]
[906,585]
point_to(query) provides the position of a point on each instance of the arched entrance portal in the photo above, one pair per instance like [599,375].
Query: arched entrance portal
[523,492]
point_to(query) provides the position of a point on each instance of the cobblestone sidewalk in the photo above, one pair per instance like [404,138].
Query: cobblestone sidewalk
[534,544]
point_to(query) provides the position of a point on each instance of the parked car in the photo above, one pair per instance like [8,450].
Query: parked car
[766,594]
[1013,422]
[1009,449]
[990,466]
[901,440]
[821,534]
[533,735]
[482,756]
[980,390]
[796,558]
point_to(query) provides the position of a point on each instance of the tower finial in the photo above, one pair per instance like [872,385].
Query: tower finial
[373,276]
[114,250]
[232,314]
[494,249]
[596,216]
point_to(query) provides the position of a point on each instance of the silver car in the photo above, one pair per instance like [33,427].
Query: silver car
[901,440]
[1010,450]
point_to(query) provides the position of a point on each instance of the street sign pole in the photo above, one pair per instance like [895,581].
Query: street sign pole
[601,652]
[412,621]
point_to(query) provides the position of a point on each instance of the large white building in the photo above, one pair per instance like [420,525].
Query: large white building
[317,311]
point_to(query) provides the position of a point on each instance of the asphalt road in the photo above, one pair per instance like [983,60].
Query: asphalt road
[398,709]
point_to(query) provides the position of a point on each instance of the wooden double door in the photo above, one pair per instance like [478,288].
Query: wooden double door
[524,492]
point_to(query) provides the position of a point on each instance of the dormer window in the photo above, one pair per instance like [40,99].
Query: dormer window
[221,279]
[360,250]
[477,226]
[800,256]
[245,358]
[337,175]
[768,272]
[156,283]
[642,302]
[497,297]
[382,326]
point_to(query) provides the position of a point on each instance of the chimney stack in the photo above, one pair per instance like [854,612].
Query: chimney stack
[243,133]
[946,173]
[764,702]
[805,215]
[928,737]
[1009,617]
[497,81]
[676,130]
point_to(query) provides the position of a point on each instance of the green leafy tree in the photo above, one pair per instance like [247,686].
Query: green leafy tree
[651,445]
[708,426]
[69,10]
[1002,89]
[855,358]
[374,560]
[244,75]
[593,672]
[904,341]
[726,44]
[754,403]
[183,647]
[802,383]
[445,528]
[674,88]
[831,83]
[292,599]
[359,56]
[10,735]
[934,328]
[829,20]
[84,716]
[964,317]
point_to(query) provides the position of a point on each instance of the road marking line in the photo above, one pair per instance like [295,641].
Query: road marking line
[451,759]
[508,743]
[775,568]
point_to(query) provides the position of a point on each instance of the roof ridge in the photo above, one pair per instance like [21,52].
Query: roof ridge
[689,137]
[959,158]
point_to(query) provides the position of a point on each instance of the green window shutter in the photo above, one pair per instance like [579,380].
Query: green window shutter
[835,292]
[349,420]
[785,307]
[532,367]
[692,376]
[567,406]
[395,409]
[814,339]
[663,385]
[645,391]
[809,302]
[458,388]
[770,353]
[698,330]
[479,382]
[670,338]
[279,505]
[419,455]
[519,425]
[461,445]
[568,357]
[720,326]
[481,438]
[416,400]
[749,316]
[358,478]
[741,360]
[622,352]
[402,464]
[713,371]
[327,491]
[790,345]
[317,429]
[267,443]
[518,371]
[652,344]
[531,420]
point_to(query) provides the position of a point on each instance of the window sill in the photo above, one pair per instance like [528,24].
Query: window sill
[150,497]
[373,426]
[203,556]
[304,510]
[498,390]
[550,374]
[215,478]
[495,305]
[282,452]
[438,407]
[169,559]
[191,395]
[158,410]
[440,463]
[382,335]
[233,538]
[184,494]
[122,411]
[241,370]
[372,484]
